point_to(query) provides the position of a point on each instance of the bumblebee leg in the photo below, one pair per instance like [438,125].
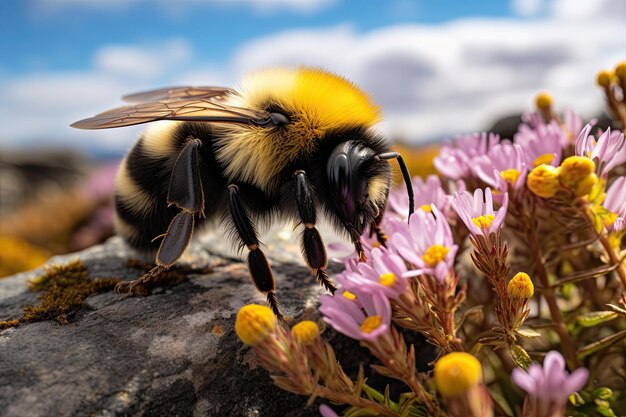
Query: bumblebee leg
[258,265]
[312,246]
[185,191]
[381,237]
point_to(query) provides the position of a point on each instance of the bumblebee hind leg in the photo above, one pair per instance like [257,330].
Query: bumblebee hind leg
[185,191]
[258,265]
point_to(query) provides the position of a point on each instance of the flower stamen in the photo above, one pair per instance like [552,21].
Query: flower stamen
[435,254]
[371,323]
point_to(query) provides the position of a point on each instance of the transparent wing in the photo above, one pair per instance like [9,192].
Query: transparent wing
[202,104]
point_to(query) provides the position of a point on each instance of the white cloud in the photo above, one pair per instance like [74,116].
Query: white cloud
[137,61]
[527,7]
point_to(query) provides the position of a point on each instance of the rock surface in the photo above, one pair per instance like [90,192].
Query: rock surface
[172,353]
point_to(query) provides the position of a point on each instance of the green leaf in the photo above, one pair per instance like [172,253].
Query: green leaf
[618,309]
[596,317]
[527,332]
[600,344]
[520,356]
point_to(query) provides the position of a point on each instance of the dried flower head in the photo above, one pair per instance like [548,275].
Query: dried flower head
[254,323]
[456,373]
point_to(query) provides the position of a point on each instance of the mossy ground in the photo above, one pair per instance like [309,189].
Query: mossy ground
[65,288]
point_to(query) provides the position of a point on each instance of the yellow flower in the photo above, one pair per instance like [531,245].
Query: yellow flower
[604,78]
[510,175]
[546,158]
[371,323]
[483,222]
[254,323]
[427,208]
[543,101]
[620,70]
[520,287]
[305,332]
[585,186]
[543,181]
[435,254]
[388,279]
[456,373]
[349,295]
[575,169]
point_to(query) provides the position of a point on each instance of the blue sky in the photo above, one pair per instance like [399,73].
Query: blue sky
[437,67]
[57,35]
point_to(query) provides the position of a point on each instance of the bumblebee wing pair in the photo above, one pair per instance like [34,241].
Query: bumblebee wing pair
[200,104]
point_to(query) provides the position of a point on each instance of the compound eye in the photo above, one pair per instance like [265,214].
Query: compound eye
[279,119]
[339,176]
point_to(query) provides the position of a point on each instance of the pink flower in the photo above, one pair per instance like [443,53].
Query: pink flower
[549,387]
[383,272]
[504,163]
[357,314]
[541,143]
[426,193]
[426,243]
[326,411]
[455,158]
[478,215]
[608,152]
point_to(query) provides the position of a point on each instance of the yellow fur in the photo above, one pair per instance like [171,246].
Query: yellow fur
[130,193]
[158,139]
[316,101]
[377,189]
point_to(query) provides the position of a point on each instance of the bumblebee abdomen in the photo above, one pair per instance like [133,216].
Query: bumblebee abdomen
[143,180]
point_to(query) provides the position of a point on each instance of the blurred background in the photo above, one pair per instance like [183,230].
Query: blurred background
[437,68]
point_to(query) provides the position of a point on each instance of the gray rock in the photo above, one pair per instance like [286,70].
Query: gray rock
[172,353]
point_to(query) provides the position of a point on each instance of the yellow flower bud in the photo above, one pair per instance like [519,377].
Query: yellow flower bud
[585,186]
[456,373]
[546,158]
[520,287]
[254,323]
[305,332]
[620,70]
[604,78]
[575,169]
[543,181]
[543,100]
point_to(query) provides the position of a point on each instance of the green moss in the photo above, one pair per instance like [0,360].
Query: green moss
[65,286]
[5,324]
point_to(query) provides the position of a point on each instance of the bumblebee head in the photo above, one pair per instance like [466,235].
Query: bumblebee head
[358,182]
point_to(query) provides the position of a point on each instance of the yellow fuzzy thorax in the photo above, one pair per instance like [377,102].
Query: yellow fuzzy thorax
[321,99]
[314,100]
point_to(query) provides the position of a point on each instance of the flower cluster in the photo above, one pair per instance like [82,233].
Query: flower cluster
[514,250]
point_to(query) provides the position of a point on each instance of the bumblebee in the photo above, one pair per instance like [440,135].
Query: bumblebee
[290,143]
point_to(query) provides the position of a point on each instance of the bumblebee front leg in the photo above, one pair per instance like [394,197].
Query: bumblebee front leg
[185,192]
[312,246]
[258,266]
